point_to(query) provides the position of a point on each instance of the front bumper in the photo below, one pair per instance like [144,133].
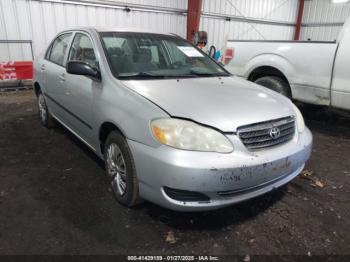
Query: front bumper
[225,178]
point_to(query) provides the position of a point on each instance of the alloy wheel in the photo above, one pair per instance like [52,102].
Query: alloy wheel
[116,169]
[42,108]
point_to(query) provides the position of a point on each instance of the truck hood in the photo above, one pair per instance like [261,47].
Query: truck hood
[224,103]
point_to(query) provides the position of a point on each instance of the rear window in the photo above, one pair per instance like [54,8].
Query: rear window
[59,48]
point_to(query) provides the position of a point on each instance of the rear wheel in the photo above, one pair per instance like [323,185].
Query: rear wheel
[276,84]
[121,170]
[44,114]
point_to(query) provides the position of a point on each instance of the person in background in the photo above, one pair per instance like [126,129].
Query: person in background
[201,38]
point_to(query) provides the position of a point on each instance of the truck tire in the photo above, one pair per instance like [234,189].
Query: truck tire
[276,84]
[120,170]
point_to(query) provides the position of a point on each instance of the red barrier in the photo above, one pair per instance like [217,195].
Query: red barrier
[16,70]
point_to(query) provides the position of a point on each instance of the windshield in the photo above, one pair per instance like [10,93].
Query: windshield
[144,55]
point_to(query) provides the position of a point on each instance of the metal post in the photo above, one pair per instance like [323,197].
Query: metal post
[31,49]
[299,20]
[194,10]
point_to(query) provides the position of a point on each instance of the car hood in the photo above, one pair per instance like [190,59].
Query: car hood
[224,103]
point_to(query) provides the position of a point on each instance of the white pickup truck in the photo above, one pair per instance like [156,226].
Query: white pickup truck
[308,71]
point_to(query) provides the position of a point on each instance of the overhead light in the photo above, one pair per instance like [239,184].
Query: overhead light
[339,1]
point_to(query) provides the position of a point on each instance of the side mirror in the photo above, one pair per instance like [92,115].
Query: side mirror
[82,68]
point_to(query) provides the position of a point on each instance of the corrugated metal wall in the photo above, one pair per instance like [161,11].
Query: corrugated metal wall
[323,19]
[282,12]
[40,20]
[180,4]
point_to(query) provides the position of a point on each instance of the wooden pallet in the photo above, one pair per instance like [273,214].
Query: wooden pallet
[15,85]
[15,88]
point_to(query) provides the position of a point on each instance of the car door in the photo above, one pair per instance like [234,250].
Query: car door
[54,71]
[80,89]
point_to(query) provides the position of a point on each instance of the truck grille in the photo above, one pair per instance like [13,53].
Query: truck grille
[267,134]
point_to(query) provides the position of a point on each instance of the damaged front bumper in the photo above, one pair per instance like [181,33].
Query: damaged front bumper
[197,181]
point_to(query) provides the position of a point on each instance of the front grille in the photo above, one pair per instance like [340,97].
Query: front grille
[264,134]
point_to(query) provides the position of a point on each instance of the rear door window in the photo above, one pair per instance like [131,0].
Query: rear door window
[59,49]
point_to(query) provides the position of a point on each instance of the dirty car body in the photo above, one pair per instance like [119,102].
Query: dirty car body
[199,137]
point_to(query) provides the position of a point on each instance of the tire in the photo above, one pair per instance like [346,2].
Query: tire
[276,84]
[45,117]
[120,170]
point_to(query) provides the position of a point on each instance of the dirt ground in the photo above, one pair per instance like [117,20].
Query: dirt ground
[54,199]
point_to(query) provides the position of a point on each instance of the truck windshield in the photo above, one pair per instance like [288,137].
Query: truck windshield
[145,55]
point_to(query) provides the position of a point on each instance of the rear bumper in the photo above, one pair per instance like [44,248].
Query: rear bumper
[224,178]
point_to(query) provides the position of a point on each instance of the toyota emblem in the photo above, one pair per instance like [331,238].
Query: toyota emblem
[275,133]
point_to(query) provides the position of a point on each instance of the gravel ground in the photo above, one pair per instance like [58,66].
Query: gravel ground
[54,199]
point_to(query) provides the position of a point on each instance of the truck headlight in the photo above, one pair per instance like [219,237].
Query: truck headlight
[187,135]
[299,119]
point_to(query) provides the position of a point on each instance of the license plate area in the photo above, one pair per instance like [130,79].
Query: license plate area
[252,176]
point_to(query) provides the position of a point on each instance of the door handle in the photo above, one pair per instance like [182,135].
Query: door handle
[62,77]
[42,67]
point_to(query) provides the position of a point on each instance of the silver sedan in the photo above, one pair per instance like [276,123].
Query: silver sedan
[172,125]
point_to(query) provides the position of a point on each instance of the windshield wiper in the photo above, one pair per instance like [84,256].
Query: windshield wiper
[140,74]
[198,73]
[151,75]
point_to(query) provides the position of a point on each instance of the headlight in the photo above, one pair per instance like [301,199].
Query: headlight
[299,119]
[188,135]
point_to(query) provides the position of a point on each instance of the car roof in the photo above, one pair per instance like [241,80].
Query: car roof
[116,29]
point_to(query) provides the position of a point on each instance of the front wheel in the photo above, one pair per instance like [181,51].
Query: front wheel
[276,84]
[44,114]
[121,170]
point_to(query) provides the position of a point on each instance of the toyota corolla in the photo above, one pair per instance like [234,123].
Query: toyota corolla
[172,125]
